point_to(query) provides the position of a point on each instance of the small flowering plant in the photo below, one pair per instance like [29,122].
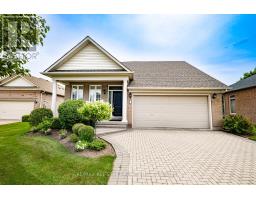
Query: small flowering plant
[81,145]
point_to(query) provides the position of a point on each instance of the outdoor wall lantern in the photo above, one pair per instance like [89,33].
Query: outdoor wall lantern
[130,97]
[214,95]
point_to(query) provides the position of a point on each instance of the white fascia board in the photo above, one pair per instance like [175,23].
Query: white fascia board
[91,78]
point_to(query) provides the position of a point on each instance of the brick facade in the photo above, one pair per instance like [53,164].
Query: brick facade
[245,103]
[217,112]
[86,85]
[30,95]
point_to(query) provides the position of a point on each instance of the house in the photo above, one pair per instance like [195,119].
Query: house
[144,94]
[20,95]
[241,98]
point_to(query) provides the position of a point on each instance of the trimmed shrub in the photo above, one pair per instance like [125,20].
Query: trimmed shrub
[86,133]
[25,118]
[44,125]
[63,133]
[76,127]
[81,145]
[237,124]
[56,123]
[97,145]
[68,113]
[39,114]
[96,111]
[74,138]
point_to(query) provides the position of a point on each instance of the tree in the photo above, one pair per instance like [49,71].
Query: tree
[19,35]
[248,74]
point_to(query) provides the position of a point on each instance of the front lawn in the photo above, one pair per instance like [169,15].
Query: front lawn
[42,160]
[253,137]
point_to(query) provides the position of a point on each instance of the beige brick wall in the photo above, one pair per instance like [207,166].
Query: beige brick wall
[30,95]
[47,99]
[16,94]
[129,111]
[86,89]
[245,103]
[217,113]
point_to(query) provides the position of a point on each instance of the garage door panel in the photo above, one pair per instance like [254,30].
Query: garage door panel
[170,111]
[15,109]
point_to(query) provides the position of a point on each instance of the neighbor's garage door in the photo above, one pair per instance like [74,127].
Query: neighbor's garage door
[170,111]
[15,109]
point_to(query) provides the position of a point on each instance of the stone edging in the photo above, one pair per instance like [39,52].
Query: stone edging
[119,175]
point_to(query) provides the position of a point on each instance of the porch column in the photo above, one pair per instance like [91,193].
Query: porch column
[124,114]
[54,97]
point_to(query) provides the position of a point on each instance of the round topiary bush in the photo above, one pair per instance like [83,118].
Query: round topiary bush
[56,123]
[68,113]
[86,133]
[74,138]
[37,115]
[76,127]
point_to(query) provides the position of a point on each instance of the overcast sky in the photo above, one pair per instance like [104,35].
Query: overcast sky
[223,46]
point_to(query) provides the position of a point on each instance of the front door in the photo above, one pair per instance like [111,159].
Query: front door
[117,103]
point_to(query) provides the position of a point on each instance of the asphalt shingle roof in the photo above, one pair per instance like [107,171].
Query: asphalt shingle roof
[178,74]
[245,83]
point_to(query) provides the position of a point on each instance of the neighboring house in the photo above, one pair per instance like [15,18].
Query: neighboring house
[20,95]
[144,94]
[241,99]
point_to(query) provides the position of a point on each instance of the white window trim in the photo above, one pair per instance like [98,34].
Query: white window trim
[77,95]
[232,97]
[90,92]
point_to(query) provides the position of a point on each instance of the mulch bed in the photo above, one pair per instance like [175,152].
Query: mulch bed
[108,151]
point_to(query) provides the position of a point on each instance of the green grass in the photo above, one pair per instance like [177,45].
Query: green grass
[42,160]
[253,137]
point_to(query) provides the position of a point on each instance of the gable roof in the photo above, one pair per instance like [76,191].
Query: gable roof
[39,84]
[244,83]
[87,40]
[170,74]
[16,81]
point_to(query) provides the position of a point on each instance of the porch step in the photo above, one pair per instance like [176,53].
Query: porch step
[106,131]
[111,124]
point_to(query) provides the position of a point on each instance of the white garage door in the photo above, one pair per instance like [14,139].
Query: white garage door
[170,111]
[15,109]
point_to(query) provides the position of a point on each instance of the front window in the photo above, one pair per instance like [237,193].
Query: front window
[232,103]
[77,92]
[95,93]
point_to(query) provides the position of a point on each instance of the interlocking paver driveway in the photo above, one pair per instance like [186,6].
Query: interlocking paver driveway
[182,157]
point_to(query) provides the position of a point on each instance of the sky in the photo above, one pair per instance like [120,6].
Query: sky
[223,46]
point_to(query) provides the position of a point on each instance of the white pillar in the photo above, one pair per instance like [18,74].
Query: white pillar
[210,110]
[54,97]
[124,114]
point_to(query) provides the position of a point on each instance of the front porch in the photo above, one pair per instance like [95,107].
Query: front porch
[90,89]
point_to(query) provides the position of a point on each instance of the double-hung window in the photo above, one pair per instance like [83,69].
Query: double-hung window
[232,104]
[77,92]
[95,93]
